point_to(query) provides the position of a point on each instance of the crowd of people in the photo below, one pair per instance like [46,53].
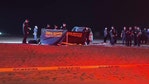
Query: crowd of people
[26,30]
[129,35]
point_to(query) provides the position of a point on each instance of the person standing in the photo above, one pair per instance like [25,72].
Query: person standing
[139,33]
[113,36]
[144,36]
[129,35]
[26,29]
[48,26]
[63,26]
[148,35]
[135,31]
[123,35]
[87,33]
[35,32]
[55,27]
[105,35]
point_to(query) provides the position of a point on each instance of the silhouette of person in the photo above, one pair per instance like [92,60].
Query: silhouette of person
[26,29]
[35,32]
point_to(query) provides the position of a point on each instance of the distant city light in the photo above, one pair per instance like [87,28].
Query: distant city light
[0,33]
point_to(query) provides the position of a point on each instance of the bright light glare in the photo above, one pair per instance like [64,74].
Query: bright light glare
[0,33]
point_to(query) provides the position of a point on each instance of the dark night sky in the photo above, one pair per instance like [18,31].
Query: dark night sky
[96,14]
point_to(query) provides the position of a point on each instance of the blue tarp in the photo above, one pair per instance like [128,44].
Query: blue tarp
[52,36]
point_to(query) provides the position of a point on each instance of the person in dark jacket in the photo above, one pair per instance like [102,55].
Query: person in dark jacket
[123,35]
[135,31]
[106,33]
[144,36]
[113,35]
[139,33]
[26,29]
[129,35]
[148,35]
[87,32]
[64,26]
[48,26]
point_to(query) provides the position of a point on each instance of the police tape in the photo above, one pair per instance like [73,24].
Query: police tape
[25,69]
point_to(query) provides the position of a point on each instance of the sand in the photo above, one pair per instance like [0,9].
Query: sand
[116,64]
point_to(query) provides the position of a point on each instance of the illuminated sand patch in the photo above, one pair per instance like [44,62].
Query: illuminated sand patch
[39,64]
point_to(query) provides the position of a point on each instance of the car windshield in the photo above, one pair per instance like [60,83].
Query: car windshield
[78,29]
